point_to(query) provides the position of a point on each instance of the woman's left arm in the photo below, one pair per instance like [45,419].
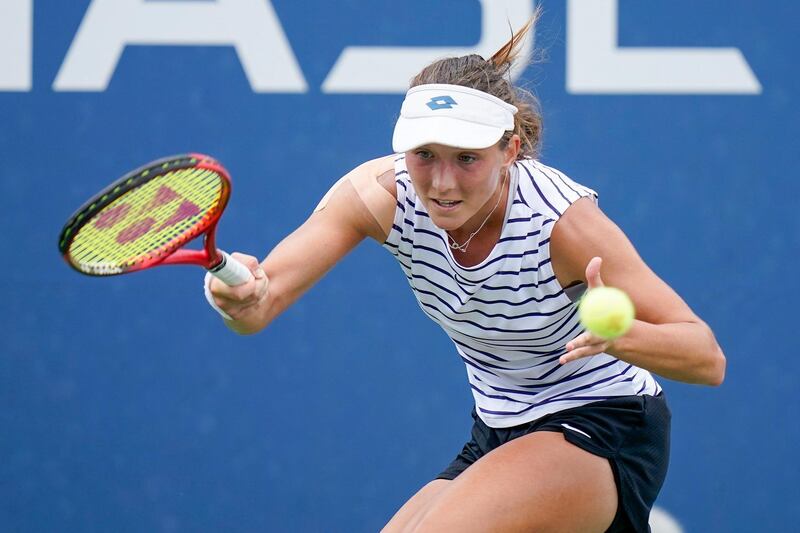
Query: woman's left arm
[666,338]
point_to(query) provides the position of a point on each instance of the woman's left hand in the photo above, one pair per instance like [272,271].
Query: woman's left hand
[587,344]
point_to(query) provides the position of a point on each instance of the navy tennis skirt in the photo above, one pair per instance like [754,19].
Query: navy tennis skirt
[632,432]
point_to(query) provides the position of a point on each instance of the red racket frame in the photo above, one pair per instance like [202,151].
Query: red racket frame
[207,257]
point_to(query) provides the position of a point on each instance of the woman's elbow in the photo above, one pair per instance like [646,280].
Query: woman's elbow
[715,360]
[716,368]
[709,363]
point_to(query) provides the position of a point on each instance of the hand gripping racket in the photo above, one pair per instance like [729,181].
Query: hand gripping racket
[146,217]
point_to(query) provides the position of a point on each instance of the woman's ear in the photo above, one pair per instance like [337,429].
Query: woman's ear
[512,149]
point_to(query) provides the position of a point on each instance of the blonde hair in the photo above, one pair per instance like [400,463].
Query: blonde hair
[491,76]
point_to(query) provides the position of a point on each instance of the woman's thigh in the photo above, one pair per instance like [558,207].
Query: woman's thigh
[409,513]
[538,482]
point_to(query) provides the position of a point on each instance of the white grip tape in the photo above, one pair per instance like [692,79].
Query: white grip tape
[210,297]
[231,272]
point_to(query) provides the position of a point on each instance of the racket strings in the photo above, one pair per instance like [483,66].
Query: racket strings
[148,221]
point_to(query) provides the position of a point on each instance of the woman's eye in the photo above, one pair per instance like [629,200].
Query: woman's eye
[466,158]
[423,154]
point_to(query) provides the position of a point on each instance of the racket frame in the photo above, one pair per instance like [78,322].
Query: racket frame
[208,257]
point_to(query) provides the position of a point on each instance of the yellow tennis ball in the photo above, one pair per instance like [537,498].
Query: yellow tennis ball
[606,311]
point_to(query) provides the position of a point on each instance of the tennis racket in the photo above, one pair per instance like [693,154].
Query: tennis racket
[145,218]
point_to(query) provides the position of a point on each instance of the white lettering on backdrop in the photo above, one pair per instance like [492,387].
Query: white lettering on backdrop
[16,45]
[250,26]
[596,64]
[387,69]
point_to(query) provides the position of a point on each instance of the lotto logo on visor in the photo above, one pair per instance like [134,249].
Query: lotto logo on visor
[441,102]
[473,119]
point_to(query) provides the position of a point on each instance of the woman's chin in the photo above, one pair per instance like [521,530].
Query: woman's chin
[445,222]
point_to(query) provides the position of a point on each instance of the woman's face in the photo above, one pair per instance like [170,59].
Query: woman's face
[457,185]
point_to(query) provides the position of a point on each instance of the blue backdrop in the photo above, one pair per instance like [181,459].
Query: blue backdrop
[126,405]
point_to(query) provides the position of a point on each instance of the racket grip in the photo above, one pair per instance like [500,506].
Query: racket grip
[230,271]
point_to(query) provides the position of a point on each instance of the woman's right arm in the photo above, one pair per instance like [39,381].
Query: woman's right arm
[353,209]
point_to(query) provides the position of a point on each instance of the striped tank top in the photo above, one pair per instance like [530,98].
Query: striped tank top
[508,316]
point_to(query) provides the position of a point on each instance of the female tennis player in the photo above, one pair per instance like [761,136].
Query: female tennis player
[571,432]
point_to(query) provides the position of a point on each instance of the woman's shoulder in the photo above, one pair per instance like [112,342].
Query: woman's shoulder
[376,172]
[547,190]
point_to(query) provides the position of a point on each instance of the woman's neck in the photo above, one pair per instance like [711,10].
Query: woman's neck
[486,222]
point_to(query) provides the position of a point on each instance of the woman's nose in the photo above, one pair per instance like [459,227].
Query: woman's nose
[443,178]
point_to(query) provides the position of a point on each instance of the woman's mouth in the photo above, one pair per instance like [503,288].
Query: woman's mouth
[446,204]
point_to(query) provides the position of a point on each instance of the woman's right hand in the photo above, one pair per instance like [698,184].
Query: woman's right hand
[246,301]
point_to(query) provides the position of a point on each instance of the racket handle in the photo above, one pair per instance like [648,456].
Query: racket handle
[230,271]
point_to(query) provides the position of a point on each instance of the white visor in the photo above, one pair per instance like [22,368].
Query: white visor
[452,115]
